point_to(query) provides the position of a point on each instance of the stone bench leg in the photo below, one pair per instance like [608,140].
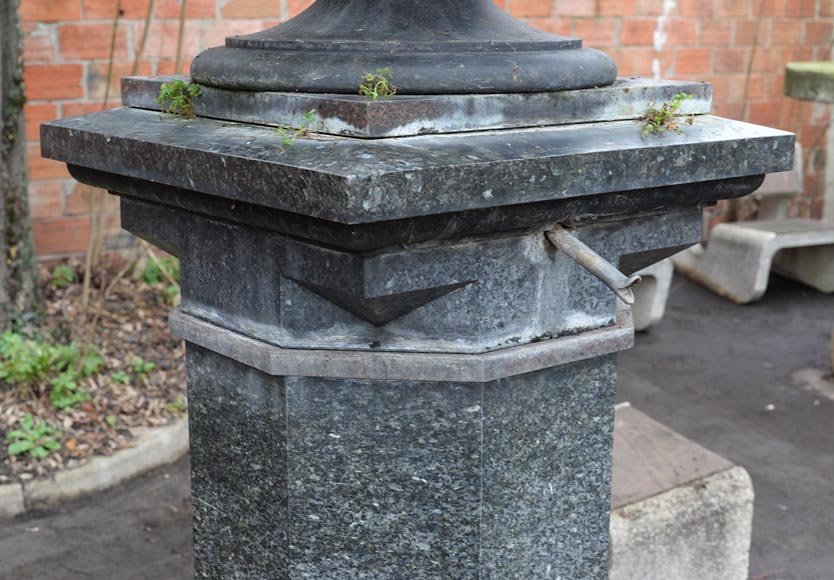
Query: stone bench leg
[811,265]
[735,264]
[651,294]
[679,511]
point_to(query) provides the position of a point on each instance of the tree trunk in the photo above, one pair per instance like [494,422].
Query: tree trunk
[19,284]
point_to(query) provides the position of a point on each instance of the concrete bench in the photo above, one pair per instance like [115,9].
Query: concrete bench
[679,511]
[651,294]
[738,257]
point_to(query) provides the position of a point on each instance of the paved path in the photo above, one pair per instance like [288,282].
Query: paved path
[139,531]
[709,371]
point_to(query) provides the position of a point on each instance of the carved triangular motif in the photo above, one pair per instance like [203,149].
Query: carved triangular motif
[381,310]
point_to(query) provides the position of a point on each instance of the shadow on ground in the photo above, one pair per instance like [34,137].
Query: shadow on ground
[712,371]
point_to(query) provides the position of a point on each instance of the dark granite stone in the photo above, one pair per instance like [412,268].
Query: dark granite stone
[237,424]
[433,47]
[470,295]
[359,181]
[406,232]
[408,115]
[300,478]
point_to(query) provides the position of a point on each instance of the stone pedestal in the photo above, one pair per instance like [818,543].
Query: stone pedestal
[393,372]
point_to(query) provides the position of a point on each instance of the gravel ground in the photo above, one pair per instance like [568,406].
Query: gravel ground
[716,372]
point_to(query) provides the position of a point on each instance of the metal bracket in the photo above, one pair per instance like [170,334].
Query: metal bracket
[607,273]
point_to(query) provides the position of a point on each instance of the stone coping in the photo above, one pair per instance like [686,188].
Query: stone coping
[651,459]
[810,81]
[407,115]
[414,366]
[356,181]
[154,447]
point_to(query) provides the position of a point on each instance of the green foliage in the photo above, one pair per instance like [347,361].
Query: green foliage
[177,98]
[120,377]
[141,367]
[34,440]
[62,276]
[289,135]
[110,420]
[179,406]
[29,364]
[667,117]
[158,271]
[379,85]
[164,270]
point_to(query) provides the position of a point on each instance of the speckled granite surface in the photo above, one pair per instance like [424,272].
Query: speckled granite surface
[346,479]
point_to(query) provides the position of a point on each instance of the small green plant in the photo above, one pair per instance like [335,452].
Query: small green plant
[667,118]
[289,135]
[157,271]
[379,85]
[62,276]
[164,270]
[120,377]
[110,420]
[32,364]
[179,406]
[177,98]
[34,440]
[141,367]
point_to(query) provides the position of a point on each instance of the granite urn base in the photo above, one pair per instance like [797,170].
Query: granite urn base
[310,478]
[394,373]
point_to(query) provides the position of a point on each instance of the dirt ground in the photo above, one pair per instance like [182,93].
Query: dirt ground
[716,372]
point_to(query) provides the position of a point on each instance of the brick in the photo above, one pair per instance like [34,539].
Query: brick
[97,79]
[162,39]
[732,8]
[46,199]
[649,8]
[693,61]
[748,32]
[768,60]
[800,8]
[638,32]
[716,32]
[106,9]
[727,60]
[696,8]
[77,202]
[826,8]
[743,88]
[766,113]
[54,81]
[729,110]
[250,9]
[295,7]
[61,235]
[818,32]
[75,109]
[770,8]
[553,25]
[572,7]
[596,32]
[49,10]
[784,32]
[92,41]
[526,8]
[215,33]
[619,8]
[40,168]
[37,114]
[680,32]
[38,43]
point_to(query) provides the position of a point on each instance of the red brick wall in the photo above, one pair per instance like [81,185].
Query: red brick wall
[741,46]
